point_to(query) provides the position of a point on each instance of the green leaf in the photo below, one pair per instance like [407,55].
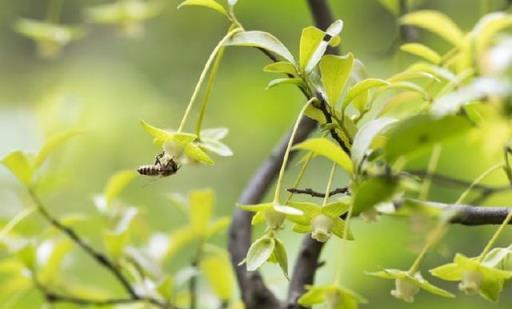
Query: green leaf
[256,207]
[262,40]
[437,23]
[212,4]
[56,251]
[281,67]
[115,243]
[259,252]
[420,132]
[27,255]
[51,145]
[287,210]
[488,27]
[449,272]
[19,166]
[218,272]
[300,228]
[314,295]
[373,191]
[165,287]
[216,147]
[314,42]
[195,153]
[284,81]
[215,134]
[361,87]
[335,72]
[422,51]
[365,136]
[201,209]
[281,257]
[336,209]
[218,226]
[324,147]
[117,183]
[409,86]
[427,286]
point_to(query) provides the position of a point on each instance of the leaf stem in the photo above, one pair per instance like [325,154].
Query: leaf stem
[206,68]
[288,149]
[329,183]
[432,238]
[432,165]
[494,238]
[479,179]
[300,175]
[208,91]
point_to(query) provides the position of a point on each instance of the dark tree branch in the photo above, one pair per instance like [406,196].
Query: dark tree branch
[254,292]
[313,193]
[407,33]
[99,257]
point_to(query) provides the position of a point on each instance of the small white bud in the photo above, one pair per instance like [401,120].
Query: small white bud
[274,219]
[405,289]
[471,281]
[321,228]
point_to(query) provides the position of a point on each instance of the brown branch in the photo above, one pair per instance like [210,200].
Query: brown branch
[313,193]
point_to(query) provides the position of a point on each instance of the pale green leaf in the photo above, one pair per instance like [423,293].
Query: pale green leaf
[212,4]
[300,228]
[256,207]
[287,210]
[117,183]
[488,27]
[421,132]
[216,147]
[324,147]
[54,254]
[284,81]
[51,144]
[281,67]
[314,42]
[201,209]
[262,40]
[160,136]
[422,51]
[218,272]
[314,295]
[214,133]
[259,252]
[361,87]
[437,23]
[218,226]
[165,287]
[19,166]
[365,136]
[335,72]
[427,286]
[115,243]
[336,209]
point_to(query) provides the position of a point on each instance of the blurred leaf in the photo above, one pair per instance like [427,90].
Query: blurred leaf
[165,287]
[27,255]
[437,23]
[218,226]
[212,4]
[420,132]
[409,86]
[19,166]
[336,209]
[361,87]
[117,183]
[335,72]
[115,243]
[178,239]
[364,137]
[51,145]
[373,191]
[281,257]
[259,252]
[214,133]
[500,258]
[281,67]
[488,27]
[262,40]
[54,253]
[284,81]
[123,11]
[201,209]
[324,147]
[422,51]
[216,147]
[218,272]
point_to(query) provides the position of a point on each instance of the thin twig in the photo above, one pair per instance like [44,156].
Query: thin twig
[313,193]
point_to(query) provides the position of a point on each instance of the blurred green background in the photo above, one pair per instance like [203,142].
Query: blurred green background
[107,83]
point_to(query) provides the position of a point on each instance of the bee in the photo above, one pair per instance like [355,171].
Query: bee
[159,168]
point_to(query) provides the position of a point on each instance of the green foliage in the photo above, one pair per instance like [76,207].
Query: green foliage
[335,71]
[333,296]
[324,147]
[211,4]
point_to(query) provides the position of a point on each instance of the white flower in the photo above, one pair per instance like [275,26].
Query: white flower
[321,227]
[471,281]
[405,289]
[274,219]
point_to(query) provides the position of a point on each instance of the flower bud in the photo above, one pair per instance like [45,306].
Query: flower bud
[471,281]
[321,228]
[405,289]
[333,300]
[174,149]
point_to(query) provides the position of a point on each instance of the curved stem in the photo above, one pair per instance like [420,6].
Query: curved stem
[207,66]
[433,237]
[494,238]
[288,148]
[432,164]
[329,183]
[300,175]
[482,176]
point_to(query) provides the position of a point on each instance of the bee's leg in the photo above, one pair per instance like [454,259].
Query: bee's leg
[158,157]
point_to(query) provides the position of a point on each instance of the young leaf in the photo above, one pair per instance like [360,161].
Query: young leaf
[201,209]
[50,145]
[488,27]
[160,136]
[420,132]
[217,270]
[212,4]
[309,42]
[194,152]
[115,243]
[281,67]
[259,252]
[284,81]
[19,166]
[324,147]
[437,23]
[422,51]
[364,137]
[117,183]
[260,39]
[335,72]
[361,87]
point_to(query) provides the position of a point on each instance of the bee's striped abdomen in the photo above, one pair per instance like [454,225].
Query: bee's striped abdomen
[149,170]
